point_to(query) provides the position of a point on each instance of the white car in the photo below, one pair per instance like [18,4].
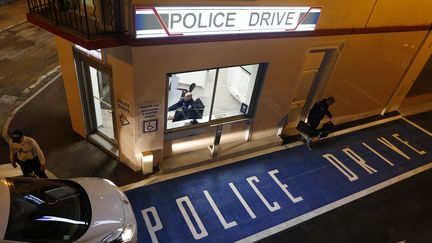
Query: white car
[73,210]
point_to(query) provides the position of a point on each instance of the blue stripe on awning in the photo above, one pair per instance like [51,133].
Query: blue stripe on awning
[149,21]
[311,18]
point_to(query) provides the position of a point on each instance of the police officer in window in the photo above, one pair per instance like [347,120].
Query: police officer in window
[182,107]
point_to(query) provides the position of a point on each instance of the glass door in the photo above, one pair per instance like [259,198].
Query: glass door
[102,103]
[97,98]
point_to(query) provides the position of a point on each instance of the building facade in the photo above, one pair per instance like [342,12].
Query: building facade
[126,64]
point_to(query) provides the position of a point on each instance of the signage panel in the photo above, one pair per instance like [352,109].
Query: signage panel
[97,54]
[183,21]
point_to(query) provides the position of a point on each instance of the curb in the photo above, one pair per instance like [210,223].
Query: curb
[11,26]
[5,129]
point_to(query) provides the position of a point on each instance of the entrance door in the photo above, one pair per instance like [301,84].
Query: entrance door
[317,68]
[97,97]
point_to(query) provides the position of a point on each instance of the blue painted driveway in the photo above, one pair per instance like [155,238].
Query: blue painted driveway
[232,202]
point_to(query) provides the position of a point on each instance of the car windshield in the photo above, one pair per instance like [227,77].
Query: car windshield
[44,210]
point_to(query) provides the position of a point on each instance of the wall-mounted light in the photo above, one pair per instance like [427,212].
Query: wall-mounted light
[147,162]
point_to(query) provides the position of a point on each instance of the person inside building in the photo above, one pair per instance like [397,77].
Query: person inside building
[316,114]
[26,152]
[181,107]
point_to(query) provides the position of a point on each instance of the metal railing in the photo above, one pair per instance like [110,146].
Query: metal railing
[89,17]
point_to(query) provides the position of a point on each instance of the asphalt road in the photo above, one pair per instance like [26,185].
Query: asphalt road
[28,60]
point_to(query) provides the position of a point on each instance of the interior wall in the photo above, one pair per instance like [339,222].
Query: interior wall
[67,63]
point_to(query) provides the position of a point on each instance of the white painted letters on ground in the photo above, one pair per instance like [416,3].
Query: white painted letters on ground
[188,220]
[218,212]
[341,167]
[397,136]
[152,228]
[359,160]
[284,187]
[197,228]
[271,208]
[243,202]
[393,147]
[378,154]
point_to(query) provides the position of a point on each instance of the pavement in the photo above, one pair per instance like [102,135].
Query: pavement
[12,12]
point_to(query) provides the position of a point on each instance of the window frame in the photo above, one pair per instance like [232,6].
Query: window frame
[259,81]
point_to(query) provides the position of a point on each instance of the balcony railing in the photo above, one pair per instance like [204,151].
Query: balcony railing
[91,18]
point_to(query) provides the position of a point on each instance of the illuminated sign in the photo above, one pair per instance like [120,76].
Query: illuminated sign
[183,21]
[93,53]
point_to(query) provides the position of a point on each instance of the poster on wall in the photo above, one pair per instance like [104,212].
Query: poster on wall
[124,110]
[125,127]
[96,54]
[150,113]
[149,130]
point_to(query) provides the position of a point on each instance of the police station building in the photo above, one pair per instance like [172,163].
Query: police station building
[252,67]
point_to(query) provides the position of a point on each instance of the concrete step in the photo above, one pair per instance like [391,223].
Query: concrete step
[203,156]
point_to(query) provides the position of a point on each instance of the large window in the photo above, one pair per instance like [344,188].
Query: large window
[209,95]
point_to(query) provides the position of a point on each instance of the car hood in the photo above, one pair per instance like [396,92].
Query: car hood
[4,208]
[106,206]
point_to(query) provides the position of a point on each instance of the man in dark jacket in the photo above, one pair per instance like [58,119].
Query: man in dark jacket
[318,111]
[182,107]
[316,114]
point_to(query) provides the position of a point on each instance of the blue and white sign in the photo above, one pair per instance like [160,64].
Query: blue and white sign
[150,126]
[182,21]
[150,115]
[266,194]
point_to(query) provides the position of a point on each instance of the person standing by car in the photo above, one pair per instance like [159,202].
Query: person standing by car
[26,152]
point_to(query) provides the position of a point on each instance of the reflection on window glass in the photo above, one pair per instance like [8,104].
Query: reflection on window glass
[205,95]
[100,83]
[47,210]
[234,91]
[249,68]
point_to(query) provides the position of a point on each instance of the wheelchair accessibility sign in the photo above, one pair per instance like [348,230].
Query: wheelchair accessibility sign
[150,126]
[150,115]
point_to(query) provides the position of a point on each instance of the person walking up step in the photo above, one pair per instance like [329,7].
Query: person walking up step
[316,114]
